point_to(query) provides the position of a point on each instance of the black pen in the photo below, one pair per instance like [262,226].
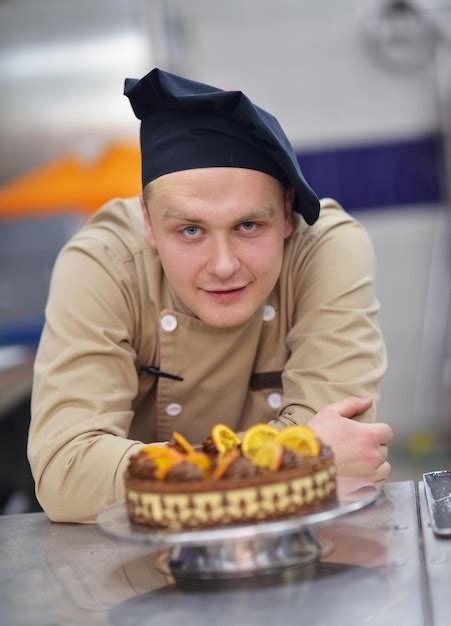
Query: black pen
[157,372]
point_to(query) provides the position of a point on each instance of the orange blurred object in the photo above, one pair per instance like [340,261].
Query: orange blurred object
[71,184]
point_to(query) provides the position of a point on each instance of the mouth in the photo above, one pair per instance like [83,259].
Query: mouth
[225,295]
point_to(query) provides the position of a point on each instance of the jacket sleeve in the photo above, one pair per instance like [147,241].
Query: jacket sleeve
[335,342]
[84,384]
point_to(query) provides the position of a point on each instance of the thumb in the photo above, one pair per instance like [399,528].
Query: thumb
[351,406]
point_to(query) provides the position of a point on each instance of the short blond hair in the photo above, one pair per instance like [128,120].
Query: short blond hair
[149,189]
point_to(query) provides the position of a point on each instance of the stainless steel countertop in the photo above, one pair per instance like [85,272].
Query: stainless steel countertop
[382,566]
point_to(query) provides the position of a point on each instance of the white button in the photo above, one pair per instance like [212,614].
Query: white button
[269,313]
[168,323]
[173,409]
[274,400]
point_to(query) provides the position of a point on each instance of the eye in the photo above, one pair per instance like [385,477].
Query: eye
[248,227]
[190,231]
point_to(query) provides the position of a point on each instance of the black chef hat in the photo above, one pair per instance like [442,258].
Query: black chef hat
[187,125]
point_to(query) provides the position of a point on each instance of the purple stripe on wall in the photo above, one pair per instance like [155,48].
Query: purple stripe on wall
[27,333]
[378,176]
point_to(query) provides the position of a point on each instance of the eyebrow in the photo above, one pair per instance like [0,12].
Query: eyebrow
[257,214]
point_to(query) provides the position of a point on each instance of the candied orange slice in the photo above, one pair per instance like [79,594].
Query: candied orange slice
[224,439]
[268,456]
[157,451]
[224,463]
[166,462]
[164,465]
[200,459]
[164,459]
[183,443]
[257,436]
[300,439]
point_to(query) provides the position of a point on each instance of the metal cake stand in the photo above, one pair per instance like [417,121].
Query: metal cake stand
[239,551]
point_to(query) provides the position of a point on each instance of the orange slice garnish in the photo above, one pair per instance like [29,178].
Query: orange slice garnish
[256,437]
[183,443]
[300,439]
[224,439]
[224,463]
[200,459]
[164,459]
[164,465]
[267,456]
[156,451]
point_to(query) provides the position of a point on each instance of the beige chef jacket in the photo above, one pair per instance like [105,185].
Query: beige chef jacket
[111,312]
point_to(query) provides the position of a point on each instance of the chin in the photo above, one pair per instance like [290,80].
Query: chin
[225,319]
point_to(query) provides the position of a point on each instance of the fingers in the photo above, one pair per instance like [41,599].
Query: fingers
[382,472]
[383,432]
[351,405]
[383,452]
[362,455]
[360,449]
[376,457]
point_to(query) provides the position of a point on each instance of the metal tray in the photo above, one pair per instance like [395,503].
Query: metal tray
[437,487]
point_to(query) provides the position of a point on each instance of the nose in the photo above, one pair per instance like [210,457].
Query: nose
[222,262]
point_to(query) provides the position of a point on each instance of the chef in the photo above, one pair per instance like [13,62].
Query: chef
[226,293]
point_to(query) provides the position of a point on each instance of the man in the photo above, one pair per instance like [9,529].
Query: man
[208,300]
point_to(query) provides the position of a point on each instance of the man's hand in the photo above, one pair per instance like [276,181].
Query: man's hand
[360,449]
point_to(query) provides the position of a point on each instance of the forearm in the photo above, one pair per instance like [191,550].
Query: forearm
[84,477]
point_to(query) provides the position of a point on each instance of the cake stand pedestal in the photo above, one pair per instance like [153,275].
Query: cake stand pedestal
[241,558]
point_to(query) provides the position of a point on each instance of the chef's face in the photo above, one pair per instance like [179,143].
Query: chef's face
[220,236]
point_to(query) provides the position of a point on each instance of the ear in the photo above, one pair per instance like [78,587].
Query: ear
[289,199]
[148,230]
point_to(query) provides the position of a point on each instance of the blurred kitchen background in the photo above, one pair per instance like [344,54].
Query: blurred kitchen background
[363,89]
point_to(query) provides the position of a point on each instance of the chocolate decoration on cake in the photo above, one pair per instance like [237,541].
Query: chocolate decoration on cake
[184,472]
[209,447]
[142,466]
[239,469]
[290,460]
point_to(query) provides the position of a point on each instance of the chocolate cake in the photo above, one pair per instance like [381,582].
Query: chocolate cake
[269,475]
